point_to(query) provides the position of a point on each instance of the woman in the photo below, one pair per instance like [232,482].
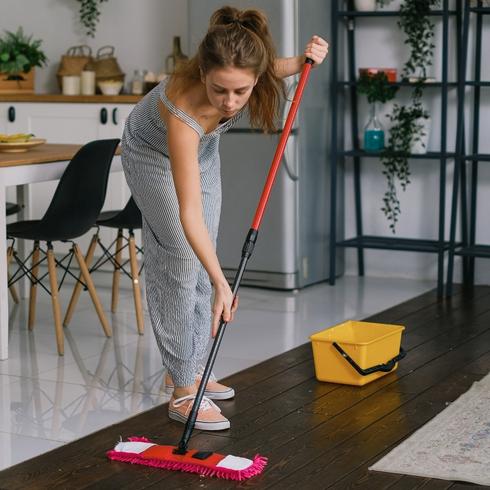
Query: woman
[171,161]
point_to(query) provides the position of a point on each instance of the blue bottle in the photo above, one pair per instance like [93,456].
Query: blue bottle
[374,135]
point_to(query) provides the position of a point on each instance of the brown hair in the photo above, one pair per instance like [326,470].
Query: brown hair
[240,38]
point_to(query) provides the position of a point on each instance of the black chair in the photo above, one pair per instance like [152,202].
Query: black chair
[129,219]
[12,208]
[75,206]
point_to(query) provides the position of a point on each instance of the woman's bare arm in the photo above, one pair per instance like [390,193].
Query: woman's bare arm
[316,49]
[183,143]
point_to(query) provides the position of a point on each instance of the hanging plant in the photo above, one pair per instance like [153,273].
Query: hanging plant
[89,15]
[405,131]
[406,128]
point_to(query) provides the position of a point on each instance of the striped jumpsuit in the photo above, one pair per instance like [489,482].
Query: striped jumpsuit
[178,287]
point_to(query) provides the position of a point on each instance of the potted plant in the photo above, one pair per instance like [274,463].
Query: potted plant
[89,15]
[377,89]
[19,54]
[407,120]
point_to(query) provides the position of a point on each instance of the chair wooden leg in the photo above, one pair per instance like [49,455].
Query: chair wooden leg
[117,271]
[12,289]
[33,291]
[91,289]
[53,282]
[136,284]
[78,286]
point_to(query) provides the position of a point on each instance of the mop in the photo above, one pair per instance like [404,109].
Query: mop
[140,450]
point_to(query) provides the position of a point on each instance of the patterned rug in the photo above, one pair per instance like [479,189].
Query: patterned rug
[454,445]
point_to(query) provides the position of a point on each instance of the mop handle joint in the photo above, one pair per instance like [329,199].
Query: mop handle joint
[249,245]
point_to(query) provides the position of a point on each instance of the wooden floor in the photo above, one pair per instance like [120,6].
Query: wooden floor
[316,435]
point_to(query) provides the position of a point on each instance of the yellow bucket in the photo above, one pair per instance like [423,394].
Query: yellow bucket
[356,353]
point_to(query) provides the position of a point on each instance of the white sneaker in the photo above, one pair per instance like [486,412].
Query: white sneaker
[208,416]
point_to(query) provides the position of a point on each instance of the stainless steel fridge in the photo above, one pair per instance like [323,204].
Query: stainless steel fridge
[292,248]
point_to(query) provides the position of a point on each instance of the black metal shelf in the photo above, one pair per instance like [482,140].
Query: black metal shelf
[387,13]
[480,10]
[430,155]
[478,157]
[345,19]
[472,83]
[469,249]
[404,84]
[482,251]
[395,243]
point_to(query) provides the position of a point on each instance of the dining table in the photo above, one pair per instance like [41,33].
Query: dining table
[20,169]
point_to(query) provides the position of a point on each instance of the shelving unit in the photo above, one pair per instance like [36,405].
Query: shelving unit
[468,248]
[438,246]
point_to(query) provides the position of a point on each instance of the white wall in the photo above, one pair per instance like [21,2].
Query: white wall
[141,31]
[379,42]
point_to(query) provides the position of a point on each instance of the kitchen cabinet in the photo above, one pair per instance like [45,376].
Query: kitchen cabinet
[65,122]
[68,123]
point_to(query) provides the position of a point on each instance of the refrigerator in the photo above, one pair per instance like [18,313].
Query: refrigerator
[292,249]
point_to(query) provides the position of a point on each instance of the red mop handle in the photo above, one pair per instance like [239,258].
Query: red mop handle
[247,250]
[276,162]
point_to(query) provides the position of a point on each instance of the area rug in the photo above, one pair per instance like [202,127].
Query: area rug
[454,445]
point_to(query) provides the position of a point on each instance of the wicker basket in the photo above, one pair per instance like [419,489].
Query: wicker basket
[106,66]
[74,61]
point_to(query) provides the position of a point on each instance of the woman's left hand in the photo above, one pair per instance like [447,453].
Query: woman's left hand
[316,49]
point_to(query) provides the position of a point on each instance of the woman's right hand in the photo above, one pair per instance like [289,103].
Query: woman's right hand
[223,306]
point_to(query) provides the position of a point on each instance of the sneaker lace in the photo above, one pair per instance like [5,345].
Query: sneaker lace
[200,372]
[206,403]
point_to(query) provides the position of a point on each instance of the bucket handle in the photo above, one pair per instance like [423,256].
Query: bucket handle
[385,368]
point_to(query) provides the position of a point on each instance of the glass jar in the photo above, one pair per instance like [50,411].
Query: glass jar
[138,82]
[374,135]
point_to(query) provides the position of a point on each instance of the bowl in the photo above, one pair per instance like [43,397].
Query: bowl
[110,87]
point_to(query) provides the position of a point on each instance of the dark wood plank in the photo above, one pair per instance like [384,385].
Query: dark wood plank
[290,458]
[456,384]
[287,428]
[329,466]
[316,434]
[467,486]
[171,432]
[362,477]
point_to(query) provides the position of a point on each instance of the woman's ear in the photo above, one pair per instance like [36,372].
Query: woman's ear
[203,77]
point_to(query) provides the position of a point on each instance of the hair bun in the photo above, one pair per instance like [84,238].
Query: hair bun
[254,20]
[225,16]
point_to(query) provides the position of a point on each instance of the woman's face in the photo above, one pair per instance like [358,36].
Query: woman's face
[228,89]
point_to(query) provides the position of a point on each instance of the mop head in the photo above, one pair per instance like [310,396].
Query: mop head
[139,450]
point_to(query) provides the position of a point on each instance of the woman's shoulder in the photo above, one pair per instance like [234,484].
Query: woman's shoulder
[178,103]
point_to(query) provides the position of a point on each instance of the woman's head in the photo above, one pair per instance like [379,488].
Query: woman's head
[236,55]
[229,89]
[236,39]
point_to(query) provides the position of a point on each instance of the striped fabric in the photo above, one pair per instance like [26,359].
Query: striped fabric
[178,287]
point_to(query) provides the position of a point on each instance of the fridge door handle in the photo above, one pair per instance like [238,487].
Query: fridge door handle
[286,161]
[287,105]
[288,165]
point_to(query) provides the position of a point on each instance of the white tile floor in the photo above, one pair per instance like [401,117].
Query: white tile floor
[47,400]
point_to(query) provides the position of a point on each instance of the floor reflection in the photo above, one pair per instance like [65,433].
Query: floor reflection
[47,400]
